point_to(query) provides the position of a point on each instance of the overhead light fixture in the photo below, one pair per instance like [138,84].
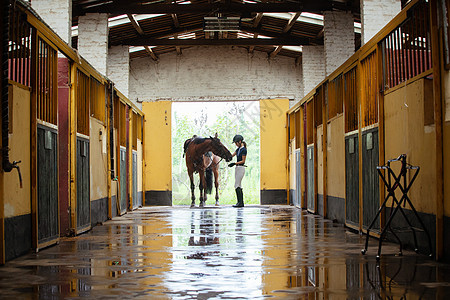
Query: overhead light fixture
[221,23]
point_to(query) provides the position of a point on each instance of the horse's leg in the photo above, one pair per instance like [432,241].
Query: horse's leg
[202,187]
[216,182]
[191,177]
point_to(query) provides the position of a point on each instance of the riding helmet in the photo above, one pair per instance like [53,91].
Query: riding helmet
[238,138]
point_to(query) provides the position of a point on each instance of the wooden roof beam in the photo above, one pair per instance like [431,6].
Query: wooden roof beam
[218,42]
[276,51]
[141,32]
[291,22]
[316,6]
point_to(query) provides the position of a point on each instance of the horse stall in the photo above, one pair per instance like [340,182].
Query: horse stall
[384,101]
[310,157]
[335,144]
[58,130]
[352,212]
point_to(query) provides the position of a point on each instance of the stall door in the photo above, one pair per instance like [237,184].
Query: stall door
[298,179]
[310,177]
[123,180]
[352,180]
[134,174]
[371,183]
[47,185]
[83,186]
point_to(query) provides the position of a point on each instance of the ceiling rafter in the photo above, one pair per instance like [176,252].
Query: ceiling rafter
[256,24]
[141,32]
[217,7]
[217,42]
[286,29]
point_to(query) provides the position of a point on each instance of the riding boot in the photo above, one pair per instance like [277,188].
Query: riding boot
[237,197]
[240,198]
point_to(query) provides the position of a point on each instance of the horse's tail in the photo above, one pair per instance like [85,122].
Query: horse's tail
[209,180]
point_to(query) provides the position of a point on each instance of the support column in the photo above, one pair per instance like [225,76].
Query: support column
[313,64]
[119,67]
[339,38]
[58,15]
[375,14]
[93,39]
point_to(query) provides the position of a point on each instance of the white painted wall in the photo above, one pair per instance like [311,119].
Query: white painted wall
[118,67]
[339,39]
[216,73]
[58,15]
[375,14]
[313,60]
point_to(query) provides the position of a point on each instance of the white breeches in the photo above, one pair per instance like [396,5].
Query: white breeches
[238,175]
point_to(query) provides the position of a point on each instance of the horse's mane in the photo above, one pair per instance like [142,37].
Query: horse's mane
[196,139]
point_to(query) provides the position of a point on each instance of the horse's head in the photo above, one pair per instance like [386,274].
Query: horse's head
[219,149]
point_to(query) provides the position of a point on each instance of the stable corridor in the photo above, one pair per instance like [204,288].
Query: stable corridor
[221,253]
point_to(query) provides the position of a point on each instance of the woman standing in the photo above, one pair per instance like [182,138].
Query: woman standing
[241,154]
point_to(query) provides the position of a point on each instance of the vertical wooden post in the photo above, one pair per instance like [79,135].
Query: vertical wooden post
[129,115]
[108,104]
[358,83]
[143,160]
[73,147]
[288,159]
[33,128]
[324,148]
[316,188]
[381,135]
[435,53]
[302,144]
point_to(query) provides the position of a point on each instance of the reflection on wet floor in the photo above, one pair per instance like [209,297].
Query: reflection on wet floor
[222,253]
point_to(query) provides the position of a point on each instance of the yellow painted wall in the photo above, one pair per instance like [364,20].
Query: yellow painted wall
[320,160]
[17,201]
[139,166]
[405,132]
[158,139]
[98,160]
[446,143]
[335,155]
[273,143]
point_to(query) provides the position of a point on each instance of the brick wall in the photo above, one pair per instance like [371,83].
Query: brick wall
[57,14]
[222,73]
[339,39]
[118,68]
[93,39]
[375,14]
[313,67]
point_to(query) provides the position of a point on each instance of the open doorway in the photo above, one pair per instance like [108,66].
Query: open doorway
[227,119]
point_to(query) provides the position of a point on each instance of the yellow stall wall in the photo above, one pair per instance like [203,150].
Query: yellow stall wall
[158,152]
[336,169]
[335,163]
[17,201]
[406,133]
[273,151]
[320,160]
[139,166]
[446,143]
[99,160]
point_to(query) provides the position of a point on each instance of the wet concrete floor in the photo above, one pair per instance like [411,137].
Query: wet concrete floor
[222,253]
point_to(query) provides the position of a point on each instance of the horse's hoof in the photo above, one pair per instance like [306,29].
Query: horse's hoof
[217,203]
[192,205]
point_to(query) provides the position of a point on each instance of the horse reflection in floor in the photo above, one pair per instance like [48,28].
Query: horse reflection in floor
[203,156]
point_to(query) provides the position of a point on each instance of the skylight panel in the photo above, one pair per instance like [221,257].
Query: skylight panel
[132,49]
[294,48]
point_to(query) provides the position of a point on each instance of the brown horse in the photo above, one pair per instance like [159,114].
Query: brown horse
[202,155]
